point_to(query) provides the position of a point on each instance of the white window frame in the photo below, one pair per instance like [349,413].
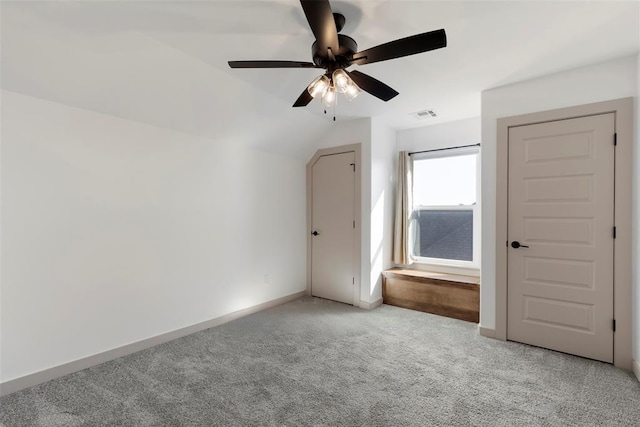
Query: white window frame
[448,265]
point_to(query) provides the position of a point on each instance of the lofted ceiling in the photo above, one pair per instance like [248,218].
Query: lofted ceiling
[164,63]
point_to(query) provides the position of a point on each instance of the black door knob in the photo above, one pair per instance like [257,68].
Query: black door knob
[315,233]
[515,245]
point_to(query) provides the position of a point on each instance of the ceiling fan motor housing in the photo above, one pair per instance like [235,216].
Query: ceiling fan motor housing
[348,47]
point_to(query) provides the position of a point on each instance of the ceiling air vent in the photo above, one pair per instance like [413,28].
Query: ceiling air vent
[425,114]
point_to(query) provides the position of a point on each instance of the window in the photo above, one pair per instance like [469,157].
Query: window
[445,209]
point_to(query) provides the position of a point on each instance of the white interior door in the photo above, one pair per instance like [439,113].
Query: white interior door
[332,218]
[561,201]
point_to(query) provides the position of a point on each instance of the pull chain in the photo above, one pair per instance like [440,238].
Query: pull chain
[334,112]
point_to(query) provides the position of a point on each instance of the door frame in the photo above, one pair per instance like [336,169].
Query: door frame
[622,264]
[357,244]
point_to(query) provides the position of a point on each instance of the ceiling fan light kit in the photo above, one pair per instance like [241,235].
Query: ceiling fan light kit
[335,52]
[327,88]
[330,98]
[343,82]
[319,86]
[352,91]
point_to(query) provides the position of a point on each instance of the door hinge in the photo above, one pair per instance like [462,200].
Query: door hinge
[613,324]
[614,232]
[354,223]
[615,139]
[353,280]
[354,166]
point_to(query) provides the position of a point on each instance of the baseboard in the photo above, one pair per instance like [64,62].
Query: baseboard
[486,332]
[370,305]
[39,377]
[635,367]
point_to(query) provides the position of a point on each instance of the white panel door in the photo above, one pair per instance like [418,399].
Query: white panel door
[332,219]
[560,281]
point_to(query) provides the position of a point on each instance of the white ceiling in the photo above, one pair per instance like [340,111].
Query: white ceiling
[164,63]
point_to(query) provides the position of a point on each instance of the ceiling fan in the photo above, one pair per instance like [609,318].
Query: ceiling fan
[336,52]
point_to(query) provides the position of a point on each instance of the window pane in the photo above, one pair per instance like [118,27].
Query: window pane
[445,234]
[445,181]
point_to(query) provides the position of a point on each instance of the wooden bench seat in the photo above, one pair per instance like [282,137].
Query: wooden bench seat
[437,293]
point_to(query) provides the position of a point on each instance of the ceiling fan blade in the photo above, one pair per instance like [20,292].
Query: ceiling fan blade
[304,99]
[373,86]
[271,64]
[403,47]
[320,18]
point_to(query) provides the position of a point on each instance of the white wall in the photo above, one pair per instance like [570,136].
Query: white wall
[380,146]
[114,231]
[636,224]
[594,83]
[377,186]
[443,135]
[356,131]
[382,199]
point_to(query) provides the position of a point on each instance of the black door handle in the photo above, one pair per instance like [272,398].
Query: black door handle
[315,233]
[515,245]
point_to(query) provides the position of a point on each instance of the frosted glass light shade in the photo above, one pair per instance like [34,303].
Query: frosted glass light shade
[330,99]
[352,91]
[341,80]
[319,86]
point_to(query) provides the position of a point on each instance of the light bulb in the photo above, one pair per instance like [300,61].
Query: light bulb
[352,91]
[319,86]
[341,80]
[330,99]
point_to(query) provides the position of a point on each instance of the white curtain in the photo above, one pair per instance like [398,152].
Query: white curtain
[404,211]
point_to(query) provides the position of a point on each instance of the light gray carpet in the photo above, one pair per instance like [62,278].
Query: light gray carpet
[315,362]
